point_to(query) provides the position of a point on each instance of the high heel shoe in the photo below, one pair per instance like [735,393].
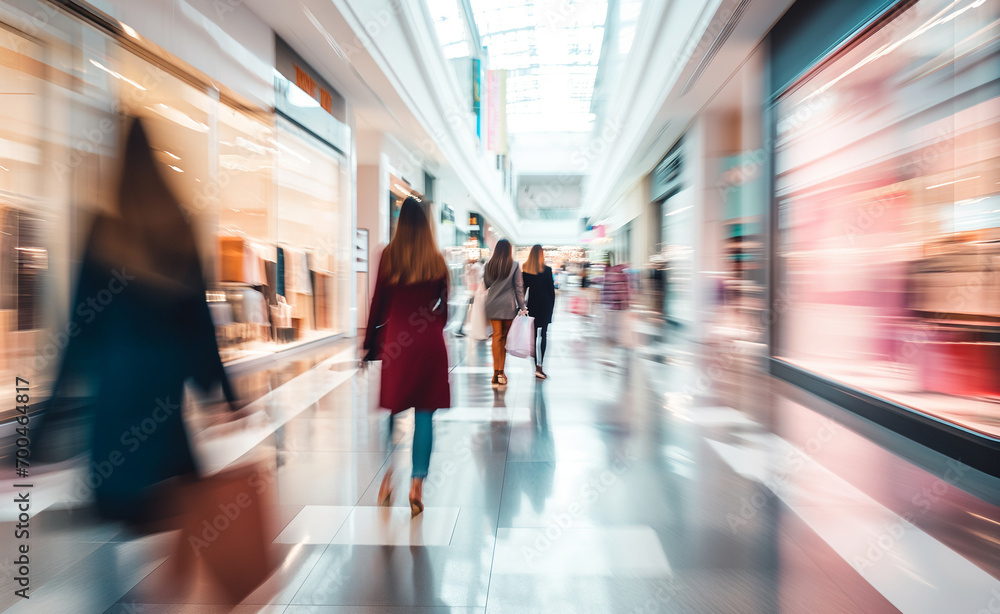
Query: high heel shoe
[385,490]
[416,497]
[495,382]
[501,380]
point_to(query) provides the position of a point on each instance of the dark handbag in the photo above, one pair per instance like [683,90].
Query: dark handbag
[378,344]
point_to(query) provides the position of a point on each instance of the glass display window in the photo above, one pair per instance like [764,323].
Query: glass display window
[888,200]
[247,153]
[67,88]
[46,166]
[178,118]
[313,231]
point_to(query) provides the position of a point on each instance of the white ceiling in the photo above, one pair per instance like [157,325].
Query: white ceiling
[397,81]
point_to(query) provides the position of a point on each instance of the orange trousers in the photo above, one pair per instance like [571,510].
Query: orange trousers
[499,341]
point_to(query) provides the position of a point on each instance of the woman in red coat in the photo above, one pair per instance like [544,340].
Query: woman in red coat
[406,332]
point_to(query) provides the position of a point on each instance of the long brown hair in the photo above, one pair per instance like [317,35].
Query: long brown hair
[500,263]
[412,256]
[535,263]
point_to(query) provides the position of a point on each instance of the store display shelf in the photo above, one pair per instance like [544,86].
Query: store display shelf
[256,360]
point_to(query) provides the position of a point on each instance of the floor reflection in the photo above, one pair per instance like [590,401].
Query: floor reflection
[621,485]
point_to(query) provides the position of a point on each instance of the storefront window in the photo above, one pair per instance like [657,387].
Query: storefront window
[244,291]
[313,231]
[248,186]
[246,159]
[177,117]
[889,214]
[678,235]
[23,253]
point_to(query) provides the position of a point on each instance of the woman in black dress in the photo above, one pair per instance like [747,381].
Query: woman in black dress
[541,289]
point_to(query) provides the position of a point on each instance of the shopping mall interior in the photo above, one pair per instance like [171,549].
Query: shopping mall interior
[500,306]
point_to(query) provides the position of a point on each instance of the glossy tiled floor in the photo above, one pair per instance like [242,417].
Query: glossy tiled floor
[623,483]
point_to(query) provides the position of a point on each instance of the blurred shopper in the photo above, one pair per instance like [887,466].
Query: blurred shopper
[504,301]
[616,296]
[589,285]
[473,278]
[406,332]
[540,286]
[143,330]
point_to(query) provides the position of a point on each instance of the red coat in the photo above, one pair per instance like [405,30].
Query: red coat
[406,331]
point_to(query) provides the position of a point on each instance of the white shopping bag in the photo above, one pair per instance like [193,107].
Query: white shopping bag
[521,337]
[479,326]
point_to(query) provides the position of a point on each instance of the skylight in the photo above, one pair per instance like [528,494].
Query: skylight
[452,31]
[551,51]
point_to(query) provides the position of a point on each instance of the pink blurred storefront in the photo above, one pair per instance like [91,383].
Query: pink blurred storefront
[886,218]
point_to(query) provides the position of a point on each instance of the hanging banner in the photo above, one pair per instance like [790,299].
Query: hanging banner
[476,97]
[502,145]
[493,110]
[496,116]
